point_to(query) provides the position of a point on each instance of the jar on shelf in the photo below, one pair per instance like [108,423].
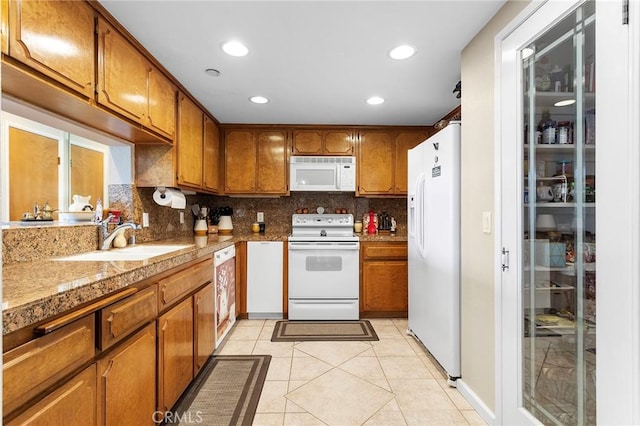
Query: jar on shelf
[564,133]
[564,167]
[547,128]
[556,78]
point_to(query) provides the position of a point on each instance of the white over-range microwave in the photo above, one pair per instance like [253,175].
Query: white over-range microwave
[322,173]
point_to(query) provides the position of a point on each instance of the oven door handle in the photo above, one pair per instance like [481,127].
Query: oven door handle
[324,246]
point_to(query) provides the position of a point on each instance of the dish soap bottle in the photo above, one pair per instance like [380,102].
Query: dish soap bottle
[98,213]
[120,241]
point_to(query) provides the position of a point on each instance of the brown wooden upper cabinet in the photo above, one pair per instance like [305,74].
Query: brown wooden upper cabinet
[55,38]
[211,160]
[382,161]
[122,74]
[130,85]
[404,142]
[323,142]
[161,116]
[193,162]
[189,146]
[256,161]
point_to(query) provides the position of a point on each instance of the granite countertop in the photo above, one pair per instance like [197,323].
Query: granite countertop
[35,291]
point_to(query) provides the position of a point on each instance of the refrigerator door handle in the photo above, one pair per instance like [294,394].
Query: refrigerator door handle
[420,216]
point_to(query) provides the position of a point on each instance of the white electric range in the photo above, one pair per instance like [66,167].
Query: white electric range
[324,259]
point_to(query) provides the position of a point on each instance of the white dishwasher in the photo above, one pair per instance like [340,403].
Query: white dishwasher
[264,279]
[224,279]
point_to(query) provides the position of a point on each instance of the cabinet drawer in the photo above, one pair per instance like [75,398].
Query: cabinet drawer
[385,251]
[182,282]
[120,319]
[33,367]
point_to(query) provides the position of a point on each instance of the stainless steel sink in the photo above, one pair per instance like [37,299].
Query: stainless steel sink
[135,252]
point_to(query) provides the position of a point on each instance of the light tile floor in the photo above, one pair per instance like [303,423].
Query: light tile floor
[387,382]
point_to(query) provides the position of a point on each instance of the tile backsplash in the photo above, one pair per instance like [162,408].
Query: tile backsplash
[20,244]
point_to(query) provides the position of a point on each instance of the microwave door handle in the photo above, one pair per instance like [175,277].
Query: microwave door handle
[338,177]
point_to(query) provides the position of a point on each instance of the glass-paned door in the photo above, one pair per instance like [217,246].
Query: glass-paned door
[558,281]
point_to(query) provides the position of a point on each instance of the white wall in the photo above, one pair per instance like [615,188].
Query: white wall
[478,248]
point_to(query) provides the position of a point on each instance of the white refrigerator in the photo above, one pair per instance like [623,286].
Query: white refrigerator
[434,246]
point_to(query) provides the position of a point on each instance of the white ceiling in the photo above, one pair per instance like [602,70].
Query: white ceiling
[317,61]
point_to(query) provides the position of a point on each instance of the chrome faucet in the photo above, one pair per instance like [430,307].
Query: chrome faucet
[106,238]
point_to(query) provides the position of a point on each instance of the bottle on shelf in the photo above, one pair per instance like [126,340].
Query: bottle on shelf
[547,128]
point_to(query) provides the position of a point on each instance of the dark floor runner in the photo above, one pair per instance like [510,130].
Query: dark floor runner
[291,331]
[225,392]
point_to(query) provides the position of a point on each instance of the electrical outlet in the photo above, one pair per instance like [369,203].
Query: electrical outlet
[145,220]
[181,218]
[260,216]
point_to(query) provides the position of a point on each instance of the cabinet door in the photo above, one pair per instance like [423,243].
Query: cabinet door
[204,314]
[404,142]
[175,353]
[211,160]
[338,143]
[189,143]
[240,162]
[162,104]
[57,39]
[126,380]
[272,162]
[376,163]
[122,74]
[384,286]
[307,142]
[72,404]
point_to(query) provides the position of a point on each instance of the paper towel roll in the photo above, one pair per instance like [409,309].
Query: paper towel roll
[178,200]
[162,197]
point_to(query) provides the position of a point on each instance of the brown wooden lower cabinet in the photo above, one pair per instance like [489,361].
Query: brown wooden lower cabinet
[72,404]
[148,347]
[384,279]
[204,327]
[126,380]
[37,366]
[175,353]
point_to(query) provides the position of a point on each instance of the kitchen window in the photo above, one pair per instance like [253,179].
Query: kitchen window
[46,159]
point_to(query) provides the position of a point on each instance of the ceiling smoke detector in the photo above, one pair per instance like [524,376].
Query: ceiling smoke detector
[212,72]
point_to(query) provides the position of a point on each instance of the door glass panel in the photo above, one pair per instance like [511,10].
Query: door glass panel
[559,236]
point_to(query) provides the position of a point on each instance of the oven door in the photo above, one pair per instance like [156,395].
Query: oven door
[324,270]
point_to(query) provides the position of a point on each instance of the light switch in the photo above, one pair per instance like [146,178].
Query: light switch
[145,220]
[260,217]
[486,222]
[181,218]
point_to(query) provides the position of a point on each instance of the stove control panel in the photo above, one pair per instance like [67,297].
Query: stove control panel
[312,220]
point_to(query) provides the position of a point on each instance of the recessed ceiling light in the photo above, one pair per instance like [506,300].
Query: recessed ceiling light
[259,99]
[375,100]
[565,102]
[212,72]
[235,48]
[403,51]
